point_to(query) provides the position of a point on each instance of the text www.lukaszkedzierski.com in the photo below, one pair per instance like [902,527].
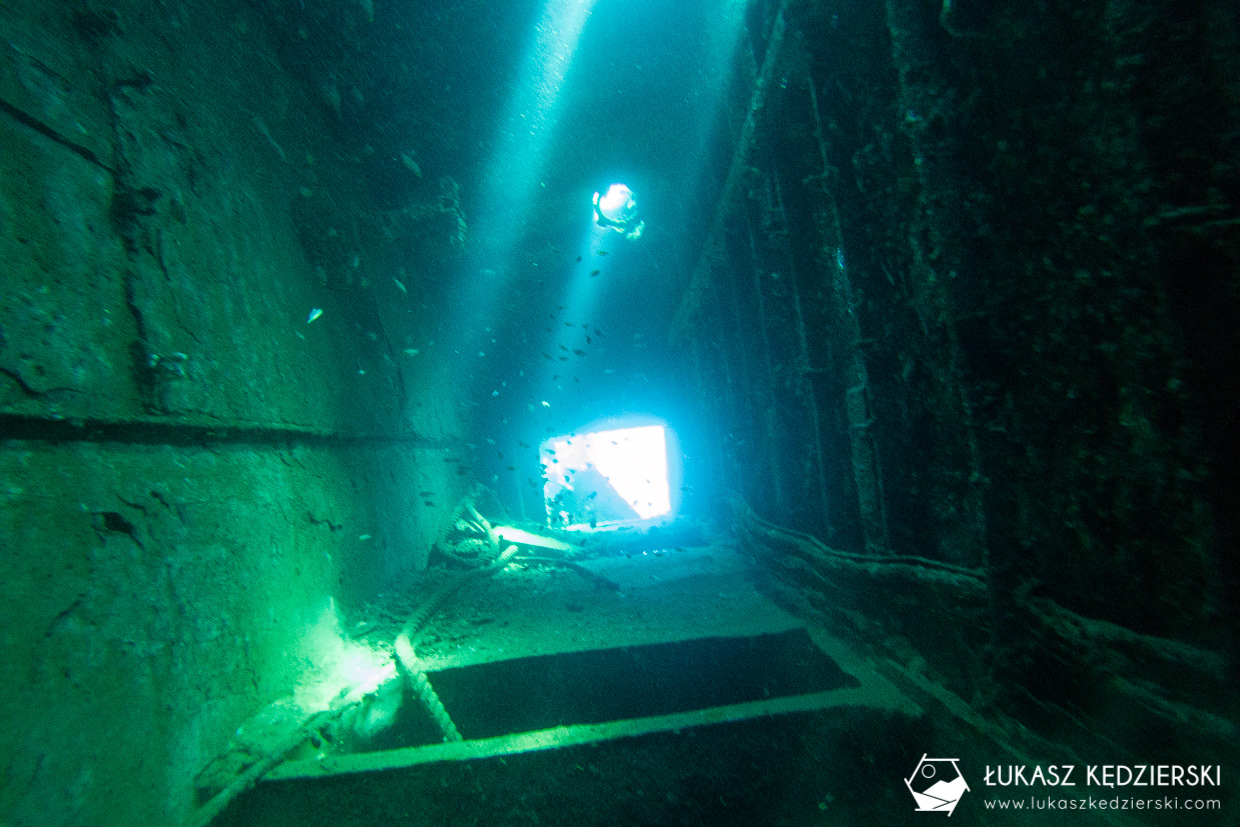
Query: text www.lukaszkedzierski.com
[1092,803]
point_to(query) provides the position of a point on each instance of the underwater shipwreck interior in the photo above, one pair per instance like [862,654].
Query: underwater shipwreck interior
[594,412]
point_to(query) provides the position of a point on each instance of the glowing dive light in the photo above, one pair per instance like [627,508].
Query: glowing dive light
[617,209]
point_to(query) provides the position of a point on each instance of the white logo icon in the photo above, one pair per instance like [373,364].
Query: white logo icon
[937,784]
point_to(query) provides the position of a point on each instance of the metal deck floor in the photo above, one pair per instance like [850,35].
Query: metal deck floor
[739,754]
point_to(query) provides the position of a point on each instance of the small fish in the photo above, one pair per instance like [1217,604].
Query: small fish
[426,493]
[589,340]
[364,538]
[412,351]
[602,252]
[596,272]
[579,258]
[522,444]
[579,352]
[398,284]
[314,314]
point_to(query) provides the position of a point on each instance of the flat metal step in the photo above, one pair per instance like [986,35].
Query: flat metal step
[727,763]
[684,687]
[601,685]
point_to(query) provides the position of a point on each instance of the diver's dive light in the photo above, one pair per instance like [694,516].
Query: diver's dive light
[618,210]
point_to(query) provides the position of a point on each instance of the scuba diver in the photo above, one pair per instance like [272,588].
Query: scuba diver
[617,210]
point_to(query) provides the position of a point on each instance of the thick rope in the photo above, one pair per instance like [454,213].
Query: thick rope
[405,656]
[423,689]
[412,630]
[206,813]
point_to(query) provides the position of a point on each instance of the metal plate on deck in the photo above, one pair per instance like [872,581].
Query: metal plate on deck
[775,760]
[683,675]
